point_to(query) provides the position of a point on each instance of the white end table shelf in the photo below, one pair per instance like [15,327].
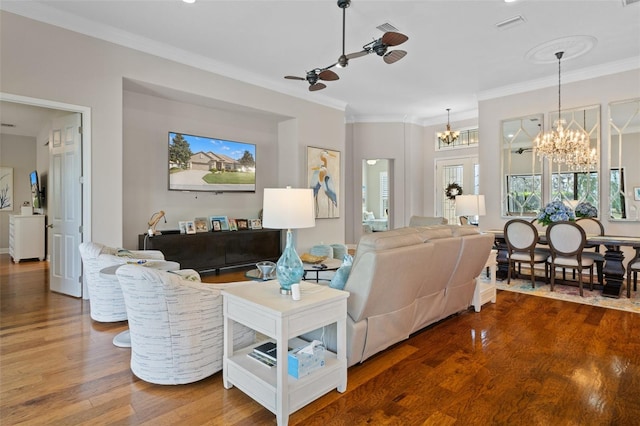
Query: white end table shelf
[486,292]
[260,306]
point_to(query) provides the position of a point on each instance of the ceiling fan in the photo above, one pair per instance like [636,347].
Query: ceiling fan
[522,150]
[379,46]
[314,75]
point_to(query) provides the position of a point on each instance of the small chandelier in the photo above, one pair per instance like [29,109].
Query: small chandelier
[563,146]
[448,137]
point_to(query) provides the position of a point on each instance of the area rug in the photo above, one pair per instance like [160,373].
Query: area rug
[572,294]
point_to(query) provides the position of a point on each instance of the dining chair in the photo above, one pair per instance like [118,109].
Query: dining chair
[521,238]
[567,241]
[633,267]
[593,226]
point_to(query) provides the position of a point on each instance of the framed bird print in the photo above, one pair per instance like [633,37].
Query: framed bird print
[323,176]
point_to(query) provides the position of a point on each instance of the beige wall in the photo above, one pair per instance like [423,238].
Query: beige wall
[46,62]
[402,144]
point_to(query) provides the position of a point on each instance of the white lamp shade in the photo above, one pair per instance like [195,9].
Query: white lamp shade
[470,205]
[288,208]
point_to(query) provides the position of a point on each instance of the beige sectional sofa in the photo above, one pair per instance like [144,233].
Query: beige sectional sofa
[406,279]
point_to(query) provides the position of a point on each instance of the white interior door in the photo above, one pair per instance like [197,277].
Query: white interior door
[464,172]
[64,206]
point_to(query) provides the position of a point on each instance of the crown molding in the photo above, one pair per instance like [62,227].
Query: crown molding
[391,118]
[43,13]
[567,77]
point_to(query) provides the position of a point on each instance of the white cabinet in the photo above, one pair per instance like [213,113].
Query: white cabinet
[26,237]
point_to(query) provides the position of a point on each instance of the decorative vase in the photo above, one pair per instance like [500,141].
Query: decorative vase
[289,268]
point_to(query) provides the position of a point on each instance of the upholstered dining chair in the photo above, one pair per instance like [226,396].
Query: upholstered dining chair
[593,226]
[567,241]
[633,267]
[521,238]
[105,295]
[176,324]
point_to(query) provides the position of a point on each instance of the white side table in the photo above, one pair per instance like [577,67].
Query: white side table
[260,306]
[486,292]
[123,339]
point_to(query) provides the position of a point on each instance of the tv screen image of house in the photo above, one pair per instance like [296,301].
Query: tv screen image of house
[200,163]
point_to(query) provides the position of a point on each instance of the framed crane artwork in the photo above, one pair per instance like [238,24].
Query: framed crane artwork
[323,176]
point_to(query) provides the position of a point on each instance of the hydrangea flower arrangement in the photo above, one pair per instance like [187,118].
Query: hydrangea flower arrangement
[586,210]
[555,211]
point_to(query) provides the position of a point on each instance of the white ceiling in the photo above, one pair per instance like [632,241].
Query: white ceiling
[456,55]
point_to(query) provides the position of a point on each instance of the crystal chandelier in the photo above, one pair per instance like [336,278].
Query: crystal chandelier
[563,146]
[448,136]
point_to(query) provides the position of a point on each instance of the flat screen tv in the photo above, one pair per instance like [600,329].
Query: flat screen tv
[200,163]
[36,195]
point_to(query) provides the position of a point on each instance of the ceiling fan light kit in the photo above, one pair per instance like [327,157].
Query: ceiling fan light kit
[379,46]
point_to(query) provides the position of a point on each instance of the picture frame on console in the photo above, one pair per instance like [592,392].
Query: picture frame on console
[323,176]
[191,227]
[182,225]
[242,224]
[224,222]
[256,224]
[636,193]
[233,225]
[215,226]
[201,224]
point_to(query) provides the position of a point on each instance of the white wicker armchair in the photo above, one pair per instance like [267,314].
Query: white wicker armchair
[176,325]
[105,294]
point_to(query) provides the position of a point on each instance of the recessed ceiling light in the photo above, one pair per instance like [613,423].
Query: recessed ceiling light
[189,1]
[509,1]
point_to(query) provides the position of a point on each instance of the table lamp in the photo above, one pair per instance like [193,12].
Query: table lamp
[288,208]
[470,205]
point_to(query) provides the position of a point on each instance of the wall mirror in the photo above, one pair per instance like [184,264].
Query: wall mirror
[521,170]
[376,196]
[579,184]
[624,152]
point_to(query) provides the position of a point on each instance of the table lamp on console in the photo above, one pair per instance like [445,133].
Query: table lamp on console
[288,208]
[470,206]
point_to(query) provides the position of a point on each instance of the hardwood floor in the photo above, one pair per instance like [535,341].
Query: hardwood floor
[523,361]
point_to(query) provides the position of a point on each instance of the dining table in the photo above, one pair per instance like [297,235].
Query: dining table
[613,269]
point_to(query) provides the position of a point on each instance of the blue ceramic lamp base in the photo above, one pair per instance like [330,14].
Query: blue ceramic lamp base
[289,268]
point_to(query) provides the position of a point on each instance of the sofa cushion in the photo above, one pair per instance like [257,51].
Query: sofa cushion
[342,274]
[427,221]
[428,233]
[461,231]
[389,239]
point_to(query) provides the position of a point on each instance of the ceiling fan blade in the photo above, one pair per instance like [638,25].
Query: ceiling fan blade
[394,56]
[292,77]
[328,75]
[358,54]
[317,86]
[391,38]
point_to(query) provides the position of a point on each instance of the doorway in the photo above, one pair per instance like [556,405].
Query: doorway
[463,171]
[72,257]
[376,195]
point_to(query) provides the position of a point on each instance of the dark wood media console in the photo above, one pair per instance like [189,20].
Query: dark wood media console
[212,251]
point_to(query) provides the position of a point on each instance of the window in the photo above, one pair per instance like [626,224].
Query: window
[384,194]
[466,139]
[618,208]
[523,194]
